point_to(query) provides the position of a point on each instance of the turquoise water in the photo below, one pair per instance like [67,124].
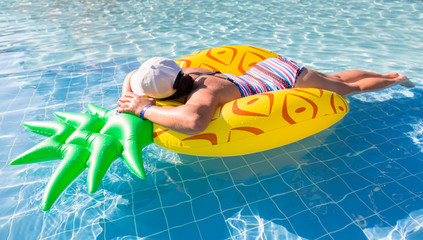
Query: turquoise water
[360,179]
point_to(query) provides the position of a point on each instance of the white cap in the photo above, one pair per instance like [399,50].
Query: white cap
[155,78]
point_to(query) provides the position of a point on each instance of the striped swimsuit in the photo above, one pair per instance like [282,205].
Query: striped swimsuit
[268,75]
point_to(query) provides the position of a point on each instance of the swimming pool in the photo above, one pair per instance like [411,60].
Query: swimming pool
[361,178]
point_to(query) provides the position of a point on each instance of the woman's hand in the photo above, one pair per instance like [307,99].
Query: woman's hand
[133,103]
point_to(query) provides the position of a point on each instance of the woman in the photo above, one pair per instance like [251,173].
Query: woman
[205,90]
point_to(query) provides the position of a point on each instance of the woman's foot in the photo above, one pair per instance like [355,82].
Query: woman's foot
[405,82]
[391,75]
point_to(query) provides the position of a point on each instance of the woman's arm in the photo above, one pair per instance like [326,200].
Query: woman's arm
[191,118]
[126,86]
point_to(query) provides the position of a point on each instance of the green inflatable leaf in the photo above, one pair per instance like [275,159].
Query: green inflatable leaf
[87,140]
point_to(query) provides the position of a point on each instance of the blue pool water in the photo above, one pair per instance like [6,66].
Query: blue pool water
[360,179]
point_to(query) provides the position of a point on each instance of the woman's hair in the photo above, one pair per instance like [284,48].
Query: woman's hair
[183,85]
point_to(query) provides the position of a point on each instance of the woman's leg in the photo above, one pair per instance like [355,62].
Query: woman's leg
[356,75]
[314,79]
